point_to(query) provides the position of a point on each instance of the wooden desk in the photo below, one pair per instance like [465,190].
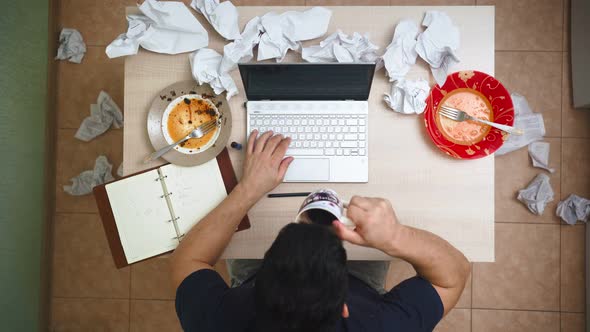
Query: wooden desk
[429,190]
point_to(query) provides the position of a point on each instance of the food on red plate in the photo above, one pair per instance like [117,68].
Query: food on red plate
[466,132]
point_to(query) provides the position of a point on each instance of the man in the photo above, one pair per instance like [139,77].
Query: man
[304,282]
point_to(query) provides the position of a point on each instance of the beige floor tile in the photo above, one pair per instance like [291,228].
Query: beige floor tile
[400,270]
[347,3]
[99,22]
[82,261]
[526,272]
[575,160]
[514,171]
[528,25]
[80,84]
[150,279]
[573,239]
[89,315]
[536,76]
[571,322]
[457,320]
[465,299]
[74,157]
[514,321]
[150,315]
[575,122]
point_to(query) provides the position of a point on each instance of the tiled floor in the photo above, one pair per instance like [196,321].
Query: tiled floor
[536,283]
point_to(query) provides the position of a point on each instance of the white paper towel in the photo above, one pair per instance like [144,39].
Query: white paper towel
[438,43]
[165,27]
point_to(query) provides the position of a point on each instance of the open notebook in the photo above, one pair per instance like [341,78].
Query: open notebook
[151,211]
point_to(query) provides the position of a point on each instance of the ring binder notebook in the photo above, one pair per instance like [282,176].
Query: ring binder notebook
[147,214]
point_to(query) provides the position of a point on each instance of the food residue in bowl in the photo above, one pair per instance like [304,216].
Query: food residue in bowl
[466,132]
[186,116]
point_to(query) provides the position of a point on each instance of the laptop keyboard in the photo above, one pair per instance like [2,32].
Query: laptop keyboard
[317,134]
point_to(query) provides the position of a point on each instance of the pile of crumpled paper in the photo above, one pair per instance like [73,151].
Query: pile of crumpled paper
[437,46]
[273,33]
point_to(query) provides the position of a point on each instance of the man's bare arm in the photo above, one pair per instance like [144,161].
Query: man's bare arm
[433,258]
[264,169]
[202,246]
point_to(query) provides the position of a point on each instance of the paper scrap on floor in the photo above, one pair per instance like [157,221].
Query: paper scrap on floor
[573,209]
[400,55]
[223,17]
[537,194]
[120,171]
[530,123]
[340,47]
[71,46]
[408,96]
[438,44]
[539,153]
[165,27]
[274,34]
[85,181]
[104,114]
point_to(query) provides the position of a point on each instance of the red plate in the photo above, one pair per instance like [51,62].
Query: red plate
[490,90]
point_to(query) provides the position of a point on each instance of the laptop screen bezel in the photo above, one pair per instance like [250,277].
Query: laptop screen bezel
[246,68]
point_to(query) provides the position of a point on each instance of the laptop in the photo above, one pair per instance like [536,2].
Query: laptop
[322,107]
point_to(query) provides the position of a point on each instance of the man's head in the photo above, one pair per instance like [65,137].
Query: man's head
[303,281]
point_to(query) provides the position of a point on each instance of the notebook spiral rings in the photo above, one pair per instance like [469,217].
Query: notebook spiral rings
[166,196]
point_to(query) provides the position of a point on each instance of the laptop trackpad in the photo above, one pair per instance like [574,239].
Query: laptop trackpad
[307,169]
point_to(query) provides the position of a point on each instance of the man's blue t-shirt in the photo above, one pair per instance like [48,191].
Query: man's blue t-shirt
[205,303]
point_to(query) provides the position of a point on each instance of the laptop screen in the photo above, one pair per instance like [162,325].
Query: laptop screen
[307,81]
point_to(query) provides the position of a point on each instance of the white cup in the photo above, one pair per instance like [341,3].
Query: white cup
[322,207]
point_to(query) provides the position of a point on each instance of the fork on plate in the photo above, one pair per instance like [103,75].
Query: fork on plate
[458,115]
[199,132]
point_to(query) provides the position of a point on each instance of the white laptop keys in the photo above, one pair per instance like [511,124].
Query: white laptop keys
[322,107]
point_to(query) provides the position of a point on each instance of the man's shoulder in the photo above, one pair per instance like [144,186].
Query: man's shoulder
[205,302]
[412,305]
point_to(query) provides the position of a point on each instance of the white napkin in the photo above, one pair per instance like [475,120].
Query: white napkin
[408,96]
[524,118]
[283,32]
[205,64]
[438,43]
[340,47]
[71,46]
[539,152]
[166,27]
[120,171]
[208,66]
[241,50]
[222,16]
[85,181]
[574,208]
[401,54]
[104,114]
[537,194]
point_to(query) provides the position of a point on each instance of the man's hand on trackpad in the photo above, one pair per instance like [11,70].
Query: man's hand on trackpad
[265,164]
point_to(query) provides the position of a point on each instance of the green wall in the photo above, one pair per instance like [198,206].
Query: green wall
[23,116]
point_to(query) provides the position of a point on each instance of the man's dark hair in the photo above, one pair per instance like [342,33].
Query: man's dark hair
[303,281]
